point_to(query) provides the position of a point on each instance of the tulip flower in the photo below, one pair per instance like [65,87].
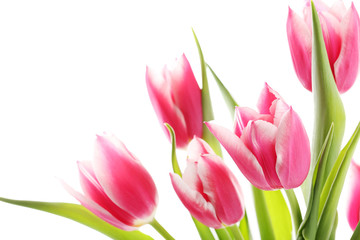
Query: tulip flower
[208,189]
[341,31]
[271,148]
[353,213]
[117,188]
[176,98]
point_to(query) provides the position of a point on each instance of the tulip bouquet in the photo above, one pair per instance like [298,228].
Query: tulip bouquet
[269,145]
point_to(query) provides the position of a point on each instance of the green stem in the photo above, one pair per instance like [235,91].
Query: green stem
[223,234]
[204,231]
[295,209]
[156,225]
[245,228]
[262,214]
[236,232]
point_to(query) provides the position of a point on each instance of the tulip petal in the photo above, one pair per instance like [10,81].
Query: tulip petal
[243,115]
[347,65]
[123,178]
[277,109]
[97,209]
[195,203]
[197,147]
[267,96]
[292,150]
[242,156]
[353,213]
[93,190]
[187,95]
[338,9]
[259,138]
[222,188]
[300,42]
[158,85]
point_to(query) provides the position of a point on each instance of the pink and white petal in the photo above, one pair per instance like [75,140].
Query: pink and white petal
[292,150]
[198,207]
[331,30]
[222,188]
[93,190]
[267,96]
[338,9]
[124,180]
[186,94]
[164,106]
[300,42]
[353,211]
[277,109]
[259,138]
[242,156]
[346,66]
[244,114]
[97,209]
[197,146]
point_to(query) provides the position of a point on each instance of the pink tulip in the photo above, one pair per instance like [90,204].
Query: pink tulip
[271,148]
[353,213]
[341,31]
[176,98]
[117,188]
[208,189]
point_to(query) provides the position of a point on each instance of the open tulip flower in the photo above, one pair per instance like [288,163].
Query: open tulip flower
[341,31]
[271,148]
[353,213]
[208,188]
[176,98]
[117,188]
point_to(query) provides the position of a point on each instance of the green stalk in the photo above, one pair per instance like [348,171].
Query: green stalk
[245,228]
[204,231]
[295,209]
[262,214]
[223,234]
[236,232]
[160,229]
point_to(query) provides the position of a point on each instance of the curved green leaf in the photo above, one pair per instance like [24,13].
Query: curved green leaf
[333,186]
[80,214]
[356,234]
[327,103]
[207,110]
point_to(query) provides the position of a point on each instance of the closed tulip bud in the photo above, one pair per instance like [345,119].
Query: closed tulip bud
[176,98]
[353,213]
[117,188]
[208,189]
[270,147]
[341,31]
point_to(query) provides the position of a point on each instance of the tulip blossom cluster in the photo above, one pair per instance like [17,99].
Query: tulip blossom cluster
[341,30]
[271,148]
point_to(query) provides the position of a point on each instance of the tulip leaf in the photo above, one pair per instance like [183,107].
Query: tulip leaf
[333,186]
[174,161]
[327,103]
[308,227]
[273,214]
[80,214]
[356,234]
[207,110]
[229,100]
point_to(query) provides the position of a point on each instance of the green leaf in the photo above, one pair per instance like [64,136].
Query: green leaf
[80,214]
[229,100]
[207,110]
[356,234]
[273,214]
[308,227]
[333,186]
[245,228]
[327,103]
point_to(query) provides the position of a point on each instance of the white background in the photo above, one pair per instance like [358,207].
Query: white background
[71,69]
